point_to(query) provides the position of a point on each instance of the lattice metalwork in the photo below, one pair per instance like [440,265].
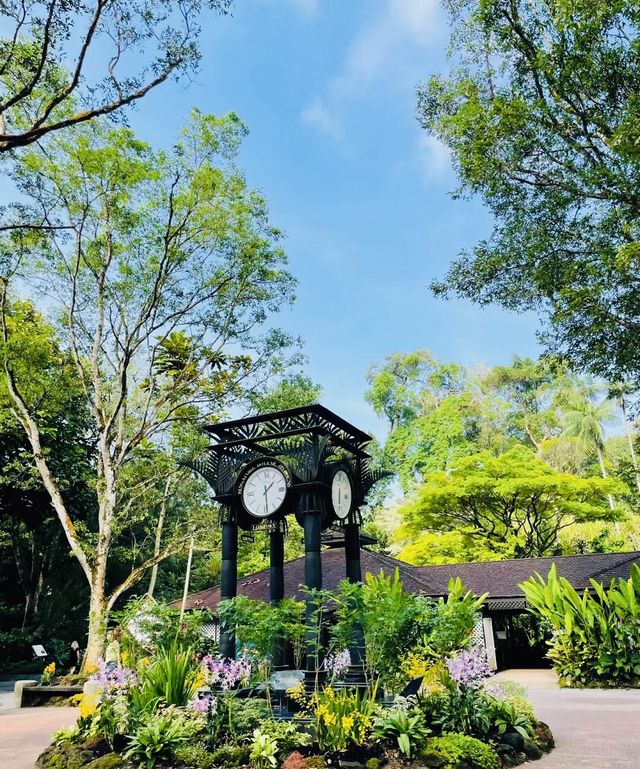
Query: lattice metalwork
[251,432]
[506,604]
[477,634]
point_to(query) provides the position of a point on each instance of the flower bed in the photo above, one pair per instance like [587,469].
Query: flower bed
[178,710]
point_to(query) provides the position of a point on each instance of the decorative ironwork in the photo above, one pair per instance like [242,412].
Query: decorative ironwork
[252,432]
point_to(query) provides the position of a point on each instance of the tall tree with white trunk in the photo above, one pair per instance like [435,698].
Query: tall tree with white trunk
[162,271]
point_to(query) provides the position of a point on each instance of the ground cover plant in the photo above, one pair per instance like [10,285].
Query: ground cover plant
[180,709]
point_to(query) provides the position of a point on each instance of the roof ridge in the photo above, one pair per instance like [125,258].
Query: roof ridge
[403,567]
[630,553]
[632,557]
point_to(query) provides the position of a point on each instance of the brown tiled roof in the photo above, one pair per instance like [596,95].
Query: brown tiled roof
[498,578]
[501,578]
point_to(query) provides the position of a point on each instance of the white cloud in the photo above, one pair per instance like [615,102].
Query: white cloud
[380,50]
[434,157]
[306,8]
[318,115]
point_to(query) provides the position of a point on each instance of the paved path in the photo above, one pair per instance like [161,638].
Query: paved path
[593,728]
[25,733]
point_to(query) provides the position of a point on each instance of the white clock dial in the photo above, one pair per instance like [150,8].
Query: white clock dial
[341,494]
[264,491]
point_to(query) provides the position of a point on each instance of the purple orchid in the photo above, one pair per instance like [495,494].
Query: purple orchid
[469,667]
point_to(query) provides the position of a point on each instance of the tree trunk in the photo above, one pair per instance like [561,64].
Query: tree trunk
[159,528]
[603,470]
[632,451]
[98,616]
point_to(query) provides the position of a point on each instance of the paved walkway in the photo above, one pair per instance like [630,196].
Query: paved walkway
[593,728]
[25,733]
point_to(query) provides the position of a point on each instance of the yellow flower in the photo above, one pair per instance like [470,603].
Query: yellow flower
[144,662]
[347,722]
[89,704]
[51,668]
[329,719]
[125,657]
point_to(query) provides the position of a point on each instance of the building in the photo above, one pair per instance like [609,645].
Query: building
[504,629]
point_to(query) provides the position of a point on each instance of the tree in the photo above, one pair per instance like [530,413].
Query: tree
[512,501]
[584,421]
[406,384]
[527,388]
[541,114]
[290,392]
[64,64]
[38,562]
[162,277]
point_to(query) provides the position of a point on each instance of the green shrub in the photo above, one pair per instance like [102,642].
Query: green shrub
[596,636]
[406,728]
[454,751]
[231,755]
[155,740]
[286,735]
[194,754]
[507,718]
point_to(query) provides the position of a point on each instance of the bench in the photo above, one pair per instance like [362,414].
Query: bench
[29,695]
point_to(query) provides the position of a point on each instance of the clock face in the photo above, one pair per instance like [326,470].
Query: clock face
[264,491]
[341,494]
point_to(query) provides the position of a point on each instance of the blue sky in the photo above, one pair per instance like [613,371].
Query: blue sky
[327,88]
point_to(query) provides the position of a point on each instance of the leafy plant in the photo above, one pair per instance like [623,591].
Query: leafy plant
[155,740]
[287,735]
[391,620]
[194,754]
[342,717]
[455,750]
[595,636]
[172,677]
[507,718]
[264,751]
[406,727]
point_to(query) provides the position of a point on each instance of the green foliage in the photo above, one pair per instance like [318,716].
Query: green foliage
[155,740]
[541,114]
[449,627]
[404,726]
[596,635]
[457,750]
[257,623]
[172,677]
[292,391]
[390,619]
[286,734]
[513,498]
[231,755]
[109,761]
[264,751]
[151,626]
[508,717]
[342,717]
[459,710]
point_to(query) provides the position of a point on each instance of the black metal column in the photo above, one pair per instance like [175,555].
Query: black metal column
[276,588]
[228,583]
[352,552]
[313,581]
[356,675]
